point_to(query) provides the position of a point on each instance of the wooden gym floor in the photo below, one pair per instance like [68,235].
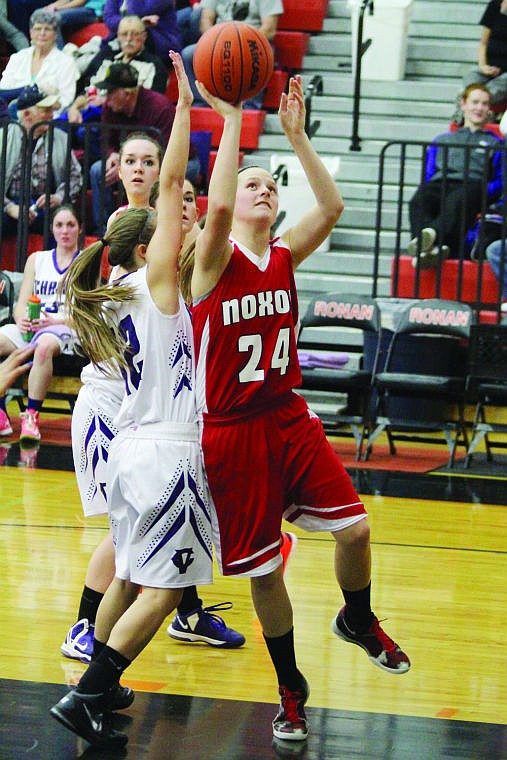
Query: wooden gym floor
[439,581]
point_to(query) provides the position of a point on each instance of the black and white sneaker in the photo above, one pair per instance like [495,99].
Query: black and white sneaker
[119,698]
[84,715]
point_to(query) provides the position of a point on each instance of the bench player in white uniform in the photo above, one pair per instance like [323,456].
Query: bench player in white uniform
[245,315]
[160,523]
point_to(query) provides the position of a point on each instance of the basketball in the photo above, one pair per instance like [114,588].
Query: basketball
[233,60]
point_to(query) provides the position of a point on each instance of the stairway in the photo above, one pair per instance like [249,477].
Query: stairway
[442,45]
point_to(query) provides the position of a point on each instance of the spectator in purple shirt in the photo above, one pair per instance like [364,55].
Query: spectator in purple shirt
[159,18]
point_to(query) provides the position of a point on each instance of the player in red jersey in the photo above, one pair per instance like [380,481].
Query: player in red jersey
[265,452]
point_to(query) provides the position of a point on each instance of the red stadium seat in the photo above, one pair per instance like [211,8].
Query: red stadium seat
[84,35]
[213,158]
[207,119]
[290,48]
[303,15]
[449,281]
[276,85]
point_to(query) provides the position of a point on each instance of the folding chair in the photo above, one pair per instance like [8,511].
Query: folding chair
[487,384]
[6,299]
[341,322]
[398,382]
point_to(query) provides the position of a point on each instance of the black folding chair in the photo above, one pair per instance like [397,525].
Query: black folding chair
[487,384]
[436,392]
[341,322]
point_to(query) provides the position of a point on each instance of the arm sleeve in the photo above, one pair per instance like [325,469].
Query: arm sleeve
[111,15]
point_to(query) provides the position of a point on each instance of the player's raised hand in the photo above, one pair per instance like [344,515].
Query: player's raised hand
[185,95]
[220,106]
[292,111]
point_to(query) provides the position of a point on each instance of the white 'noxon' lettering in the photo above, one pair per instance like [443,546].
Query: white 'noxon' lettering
[263,304]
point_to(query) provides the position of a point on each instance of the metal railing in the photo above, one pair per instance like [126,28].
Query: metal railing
[361,48]
[469,279]
[90,142]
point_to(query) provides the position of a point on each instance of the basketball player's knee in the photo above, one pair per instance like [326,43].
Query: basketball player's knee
[356,536]
[46,349]
[267,583]
[163,599]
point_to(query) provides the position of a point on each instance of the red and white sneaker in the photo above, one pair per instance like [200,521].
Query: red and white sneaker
[287,546]
[30,426]
[5,424]
[381,650]
[290,722]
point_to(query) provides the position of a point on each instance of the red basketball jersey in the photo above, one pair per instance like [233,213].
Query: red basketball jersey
[245,333]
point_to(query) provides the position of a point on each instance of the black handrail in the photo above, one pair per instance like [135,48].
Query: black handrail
[314,87]
[361,48]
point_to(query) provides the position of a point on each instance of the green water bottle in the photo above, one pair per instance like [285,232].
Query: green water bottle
[33,307]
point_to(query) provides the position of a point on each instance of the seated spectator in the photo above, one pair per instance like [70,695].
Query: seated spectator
[188,16]
[35,106]
[492,53]
[263,14]
[52,334]
[12,35]
[129,105]
[158,16]
[41,63]
[131,41]
[437,219]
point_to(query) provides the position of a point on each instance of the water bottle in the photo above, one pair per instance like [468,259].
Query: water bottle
[33,308]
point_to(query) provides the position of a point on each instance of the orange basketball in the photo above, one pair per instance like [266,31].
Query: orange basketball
[233,60]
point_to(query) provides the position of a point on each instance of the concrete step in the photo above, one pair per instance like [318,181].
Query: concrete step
[335,262]
[426,49]
[342,84]
[381,128]
[309,285]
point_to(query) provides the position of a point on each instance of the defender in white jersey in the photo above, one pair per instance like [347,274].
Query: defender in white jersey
[93,429]
[52,334]
[161,523]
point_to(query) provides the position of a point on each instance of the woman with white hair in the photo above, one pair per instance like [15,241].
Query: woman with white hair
[41,63]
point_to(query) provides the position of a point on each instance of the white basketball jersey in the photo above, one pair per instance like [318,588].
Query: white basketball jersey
[47,279]
[159,380]
[107,388]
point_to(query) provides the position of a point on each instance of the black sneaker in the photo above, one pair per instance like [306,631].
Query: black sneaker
[290,722]
[382,650]
[84,715]
[119,698]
